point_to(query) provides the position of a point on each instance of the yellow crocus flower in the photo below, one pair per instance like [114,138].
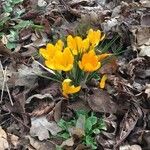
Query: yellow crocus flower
[95,37]
[89,62]
[62,61]
[77,45]
[67,88]
[103,81]
[49,51]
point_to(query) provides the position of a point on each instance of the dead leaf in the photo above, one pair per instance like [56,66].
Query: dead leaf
[142,35]
[128,123]
[144,50]
[147,90]
[43,108]
[39,96]
[26,76]
[79,104]
[109,24]
[130,147]
[100,101]
[76,132]
[38,145]
[42,3]
[145,3]
[107,138]
[69,142]
[4,51]
[40,127]
[58,111]
[3,140]
[14,139]
[145,20]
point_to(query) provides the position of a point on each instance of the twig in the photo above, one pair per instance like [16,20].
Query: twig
[20,121]
[5,84]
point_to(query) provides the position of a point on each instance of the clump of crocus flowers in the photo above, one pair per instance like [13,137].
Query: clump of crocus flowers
[75,61]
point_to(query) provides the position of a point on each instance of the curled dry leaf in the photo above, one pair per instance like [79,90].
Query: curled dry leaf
[100,101]
[128,123]
[107,138]
[39,96]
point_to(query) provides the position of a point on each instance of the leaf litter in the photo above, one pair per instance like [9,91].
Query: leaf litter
[37,102]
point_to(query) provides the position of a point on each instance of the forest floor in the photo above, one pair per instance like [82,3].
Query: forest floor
[35,114]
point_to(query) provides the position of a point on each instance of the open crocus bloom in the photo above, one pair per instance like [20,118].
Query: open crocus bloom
[67,88]
[62,61]
[89,62]
[95,37]
[77,45]
[50,50]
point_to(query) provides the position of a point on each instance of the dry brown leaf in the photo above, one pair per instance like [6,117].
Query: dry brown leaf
[69,142]
[144,50]
[14,139]
[100,101]
[40,127]
[78,105]
[3,140]
[145,3]
[147,90]
[38,145]
[39,96]
[130,147]
[58,111]
[145,20]
[128,123]
[42,108]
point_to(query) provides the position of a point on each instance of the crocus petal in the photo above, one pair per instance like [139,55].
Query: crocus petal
[71,43]
[85,44]
[59,45]
[103,81]
[101,57]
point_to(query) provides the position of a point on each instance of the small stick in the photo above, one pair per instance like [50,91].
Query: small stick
[5,84]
